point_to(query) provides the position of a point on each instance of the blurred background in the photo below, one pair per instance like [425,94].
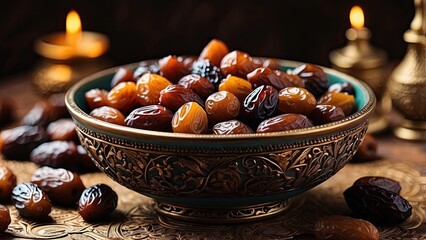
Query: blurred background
[304,30]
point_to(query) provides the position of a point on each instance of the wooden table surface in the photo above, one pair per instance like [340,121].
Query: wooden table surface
[21,90]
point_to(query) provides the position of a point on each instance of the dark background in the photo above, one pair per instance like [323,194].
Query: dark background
[304,30]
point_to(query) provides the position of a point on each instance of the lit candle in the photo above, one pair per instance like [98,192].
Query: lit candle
[363,61]
[74,43]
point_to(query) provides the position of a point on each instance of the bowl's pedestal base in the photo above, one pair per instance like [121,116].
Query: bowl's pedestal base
[221,215]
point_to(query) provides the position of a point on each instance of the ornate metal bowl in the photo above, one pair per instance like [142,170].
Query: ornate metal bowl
[220,178]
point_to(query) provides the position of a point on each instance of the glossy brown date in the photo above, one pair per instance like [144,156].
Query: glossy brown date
[97,202]
[240,87]
[383,182]
[214,51]
[206,69]
[148,88]
[296,100]
[222,106]
[7,183]
[343,228]
[231,127]
[151,117]
[31,201]
[122,75]
[199,85]
[123,96]
[47,111]
[96,98]
[271,64]
[172,68]
[266,76]
[62,186]
[174,96]
[367,150]
[260,104]
[56,154]
[190,118]
[315,79]
[377,204]
[4,218]
[323,114]
[146,67]
[342,87]
[343,100]
[108,114]
[238,64]
[17,143]
[284,122]
[63,130]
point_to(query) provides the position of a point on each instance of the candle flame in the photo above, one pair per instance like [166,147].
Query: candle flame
[73,24]
[356,17]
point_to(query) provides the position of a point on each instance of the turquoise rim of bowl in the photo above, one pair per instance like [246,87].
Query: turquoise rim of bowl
[364,98]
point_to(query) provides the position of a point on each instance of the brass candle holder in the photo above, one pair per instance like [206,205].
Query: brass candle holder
[68,56]
[406,87]
[365,62]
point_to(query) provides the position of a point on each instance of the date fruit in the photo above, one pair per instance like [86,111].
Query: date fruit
[237,86]
[214,51]
[266,76]
[174,96]
[343,100]
[62,186]
[199,85]
[62,130]
[342,87]
[377,204]
[231,127]
[284,122]
[323,114]
[97,202]
[96,98]
[31,201]
[4,218]
[7,183]
[190,118]
[296,100]
[122,75]
[238,64]
[151,117]
[315,79]
[204,68]
[341,228]
[260,104]
[383,182]
[367,150]
[56,154]
[108,114]
[146,67]
[148,88]
[85,161]
[123,96]
[172,69]
[17,143]
[222,106]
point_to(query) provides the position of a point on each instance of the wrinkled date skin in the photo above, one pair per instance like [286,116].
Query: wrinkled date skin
[174,96]
[62,130]
[231,127]
[56,154]
[296,100]
[17,143]
[222,106]
[260,104]
[237,64]
[343,100]
[96,98]
[123,96]
[190,118]
[199,85]
[343,228]
[45,112]
[146,67]
[204,68]
[148,88]
[315,79]
[97,202]
[62,186]
[383,182]
[4,218]
[323,114]
[237,86]
[214,51]
[152,117]
[342,87]
[31,201]
[284,122]
[122,75]
[108,114]
[377,204]
[7,183]
[172,68]
[266,76]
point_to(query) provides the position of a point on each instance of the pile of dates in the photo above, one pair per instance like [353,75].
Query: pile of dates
[220,92]
[53,186]
[47,136]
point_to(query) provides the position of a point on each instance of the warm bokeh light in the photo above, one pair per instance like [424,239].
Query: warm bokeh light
[356,17]
[73,27]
